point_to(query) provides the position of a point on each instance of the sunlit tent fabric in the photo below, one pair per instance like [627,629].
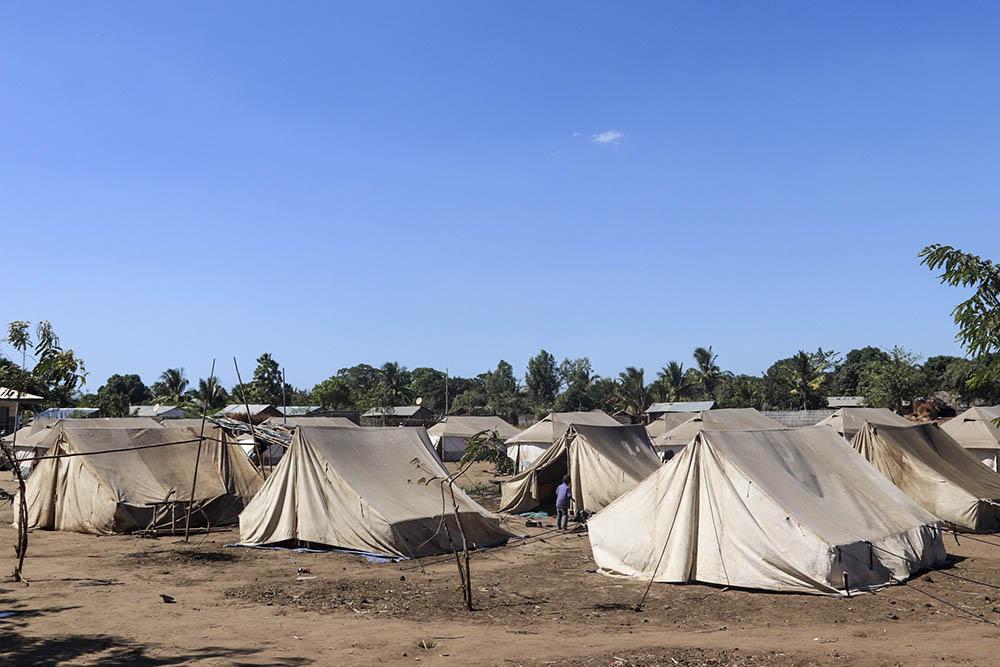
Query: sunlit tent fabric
[975,430]
[525,447]
[372,490]
[781,510]
[293,422]
[934,470]
[848,421]
[113,480]
[666,422]
[725,419]
[602,462]
[34,439]
[450,436]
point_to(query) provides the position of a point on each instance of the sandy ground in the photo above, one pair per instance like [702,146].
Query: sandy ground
[97,600]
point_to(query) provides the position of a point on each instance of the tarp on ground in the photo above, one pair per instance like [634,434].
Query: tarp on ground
[780,510]
[525,447]
[106,480]
[975,430]
[602,462]
[450,436]
[934,470]
[848,421]
[372,490]
[724,419]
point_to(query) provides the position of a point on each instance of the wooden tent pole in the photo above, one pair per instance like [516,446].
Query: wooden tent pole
[197,458]
[246,404]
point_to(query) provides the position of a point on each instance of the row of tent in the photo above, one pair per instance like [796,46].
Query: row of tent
[745,502]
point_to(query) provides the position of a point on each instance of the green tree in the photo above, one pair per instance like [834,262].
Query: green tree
[333,393]
[603,394]
[893,383]
[170,387]
[978,317]
[673,383]
[741,391]
[806,373]
[393,386]
[542,380]
[847,375]
[266,386]
[211,393]
[503,397]
[707,370]
[57,373]
[429,385]
[632,396]
[119,392]
[577,375]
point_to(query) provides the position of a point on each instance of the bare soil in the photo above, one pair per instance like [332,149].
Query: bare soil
[539,601]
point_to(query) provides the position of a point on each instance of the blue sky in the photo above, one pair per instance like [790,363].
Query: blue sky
[449,184]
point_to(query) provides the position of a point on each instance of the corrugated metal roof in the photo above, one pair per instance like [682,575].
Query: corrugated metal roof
[680,406]
[298,410]
[156,411]
[67,413]
[240,409]
[397,411]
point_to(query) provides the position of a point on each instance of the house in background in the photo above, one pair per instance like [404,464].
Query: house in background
[301,410]
[258,412]
[400,415]
[9,401]
[157,411]
[657,410]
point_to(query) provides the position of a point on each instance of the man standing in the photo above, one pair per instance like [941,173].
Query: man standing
[563,498]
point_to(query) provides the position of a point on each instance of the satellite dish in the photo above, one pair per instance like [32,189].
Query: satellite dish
[419,400]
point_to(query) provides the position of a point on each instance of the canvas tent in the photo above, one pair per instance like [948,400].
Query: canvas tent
[666,422]
[120,480]
[725,419]
[975,430]
[35,439]
[369,490]
[293,422]
[602,462]
[934,470]
[450,436]
[848,421]
[525,447]
[781,510]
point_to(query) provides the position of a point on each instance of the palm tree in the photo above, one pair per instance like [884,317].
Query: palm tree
[673,382]
[395,384]
[632,395]
[211,393]
[806,374]
[171,387]
[708,372]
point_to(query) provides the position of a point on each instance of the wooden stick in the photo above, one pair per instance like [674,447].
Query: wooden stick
[197,460]
[246,404]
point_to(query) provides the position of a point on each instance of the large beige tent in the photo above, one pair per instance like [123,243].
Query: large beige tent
[781,510]
[525,447]
[602,462]
[724,419]
[975,430]
[450,436]
[848,421]
[293,422]
[113,480]
[372,490]
[934,470]
[34,439]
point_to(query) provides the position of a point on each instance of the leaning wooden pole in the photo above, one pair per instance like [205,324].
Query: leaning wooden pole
[21,548]
[246,405]
[197,458]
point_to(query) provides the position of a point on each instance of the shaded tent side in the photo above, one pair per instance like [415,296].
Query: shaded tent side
[784,510]
[977,431]
[848,421]
[528,445]
[725,419]
[934,470]
[375,490]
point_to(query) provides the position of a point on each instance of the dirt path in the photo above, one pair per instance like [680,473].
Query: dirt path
[97,600]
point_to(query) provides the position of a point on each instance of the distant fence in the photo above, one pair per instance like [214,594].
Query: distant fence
[797,418]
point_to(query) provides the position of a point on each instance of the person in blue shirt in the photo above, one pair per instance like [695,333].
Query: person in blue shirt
[563,497]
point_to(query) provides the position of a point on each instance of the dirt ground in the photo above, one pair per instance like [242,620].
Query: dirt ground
[539,601]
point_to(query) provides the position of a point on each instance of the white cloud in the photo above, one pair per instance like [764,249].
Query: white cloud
[609,137]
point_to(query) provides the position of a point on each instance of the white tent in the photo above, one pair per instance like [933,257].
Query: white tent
[724,419]
[975,430]
[450,436]
[782,510]
[848,421]
[371,490]
[934,470]
[602,462]
[113,480]
[525,447]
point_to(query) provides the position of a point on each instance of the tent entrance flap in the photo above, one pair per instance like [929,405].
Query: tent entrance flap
[548,477]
